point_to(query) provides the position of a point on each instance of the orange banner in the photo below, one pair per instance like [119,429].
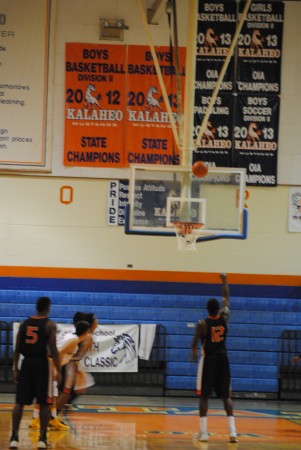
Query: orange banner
[115,114]
[149,136]
[94,105]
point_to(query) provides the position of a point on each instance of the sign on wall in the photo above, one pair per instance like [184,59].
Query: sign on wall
[24,31]
[114,109]
[115,348]
[294,212]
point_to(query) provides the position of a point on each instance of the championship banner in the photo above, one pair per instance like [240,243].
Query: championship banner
[114,348]
[294,212]
[216,143]
[256,138]
[259,49]
[216,28]
[94,105]
[253,81]
[24,46]
[149,137]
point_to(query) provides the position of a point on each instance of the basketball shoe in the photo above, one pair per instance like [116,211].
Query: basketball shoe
[202,436]
[14,441]
[57,424]
[233,437]
[35,423]
[42,443]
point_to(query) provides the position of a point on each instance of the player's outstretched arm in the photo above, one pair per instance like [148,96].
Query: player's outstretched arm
[225,290]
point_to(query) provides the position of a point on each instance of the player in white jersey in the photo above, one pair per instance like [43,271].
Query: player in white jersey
[76,381]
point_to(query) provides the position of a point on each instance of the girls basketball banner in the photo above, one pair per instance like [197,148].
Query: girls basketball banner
[259,49]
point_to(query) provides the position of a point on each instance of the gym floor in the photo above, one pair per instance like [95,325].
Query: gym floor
[153,423]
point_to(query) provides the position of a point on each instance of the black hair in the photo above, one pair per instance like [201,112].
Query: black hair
[213,306]
[78,316]
[82,327]
[90,317]
[81,316]
[43,304]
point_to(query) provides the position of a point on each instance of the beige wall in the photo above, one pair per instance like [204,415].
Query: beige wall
[36,229]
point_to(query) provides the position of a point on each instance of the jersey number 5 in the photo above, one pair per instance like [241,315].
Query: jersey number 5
[31,335]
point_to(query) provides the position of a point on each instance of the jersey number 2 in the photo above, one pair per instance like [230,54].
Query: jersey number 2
[217,334]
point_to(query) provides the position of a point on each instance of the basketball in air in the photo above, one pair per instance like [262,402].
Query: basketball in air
[199,169]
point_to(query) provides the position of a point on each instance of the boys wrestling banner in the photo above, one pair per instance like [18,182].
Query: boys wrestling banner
[114,109]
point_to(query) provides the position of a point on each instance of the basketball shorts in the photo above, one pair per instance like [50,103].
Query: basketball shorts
[75,379]
[215,376]
[33,381]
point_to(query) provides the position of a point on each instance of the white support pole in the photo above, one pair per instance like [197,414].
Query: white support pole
[222,74]
[159,73]
[186,156]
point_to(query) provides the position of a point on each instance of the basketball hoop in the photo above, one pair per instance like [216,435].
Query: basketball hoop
[187,235]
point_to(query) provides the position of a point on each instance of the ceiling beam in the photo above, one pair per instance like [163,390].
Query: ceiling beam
[156,11]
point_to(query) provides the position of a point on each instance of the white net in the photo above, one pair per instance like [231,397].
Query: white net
[187,235]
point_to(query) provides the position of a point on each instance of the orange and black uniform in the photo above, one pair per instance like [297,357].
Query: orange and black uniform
[34,373]
[216,369]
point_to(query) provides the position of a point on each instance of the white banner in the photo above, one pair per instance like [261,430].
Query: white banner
[115,347]
[294,211]
[24,47]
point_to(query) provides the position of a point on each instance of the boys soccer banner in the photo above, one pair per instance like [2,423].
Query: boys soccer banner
[114,109]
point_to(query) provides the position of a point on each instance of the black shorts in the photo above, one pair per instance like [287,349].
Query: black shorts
[33,381]
[216,376]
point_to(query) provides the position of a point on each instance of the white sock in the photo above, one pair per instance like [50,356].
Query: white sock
[231,422]
[36,413]
[53,413]
[203,424]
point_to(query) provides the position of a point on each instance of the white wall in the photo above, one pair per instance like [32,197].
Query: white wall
[36,229]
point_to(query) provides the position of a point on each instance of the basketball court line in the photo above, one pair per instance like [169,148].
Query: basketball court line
[151,427]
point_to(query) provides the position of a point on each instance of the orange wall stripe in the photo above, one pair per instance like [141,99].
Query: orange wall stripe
[147,275]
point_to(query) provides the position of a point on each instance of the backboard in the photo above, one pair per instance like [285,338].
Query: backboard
[159,196]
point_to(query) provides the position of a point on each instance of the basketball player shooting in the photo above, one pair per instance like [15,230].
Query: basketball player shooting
[214,369]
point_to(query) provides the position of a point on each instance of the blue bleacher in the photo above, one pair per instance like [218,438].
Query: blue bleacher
[254,340]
